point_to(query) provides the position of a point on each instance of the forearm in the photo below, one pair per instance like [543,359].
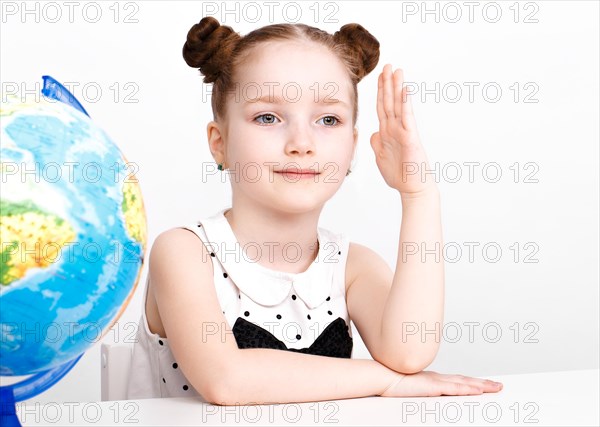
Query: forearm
[264,376]
[413,315]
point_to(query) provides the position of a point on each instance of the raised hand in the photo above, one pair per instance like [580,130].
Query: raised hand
[397,146]
[429,384]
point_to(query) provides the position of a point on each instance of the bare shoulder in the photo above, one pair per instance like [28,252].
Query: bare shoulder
[166,255]
[177,244]
[361,260]
[175,236]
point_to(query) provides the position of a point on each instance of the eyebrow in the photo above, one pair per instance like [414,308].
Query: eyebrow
[274,99]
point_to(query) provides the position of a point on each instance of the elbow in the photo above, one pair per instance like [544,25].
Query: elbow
[221,380]
[213,385]
[225,388]
[220,392]
[405,364]
[412,367]
[213,396]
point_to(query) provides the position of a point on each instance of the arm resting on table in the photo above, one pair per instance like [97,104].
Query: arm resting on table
[264,376]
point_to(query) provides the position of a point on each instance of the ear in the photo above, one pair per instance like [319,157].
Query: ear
[215,141]
[355,143]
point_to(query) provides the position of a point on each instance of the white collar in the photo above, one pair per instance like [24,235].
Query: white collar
[270,287]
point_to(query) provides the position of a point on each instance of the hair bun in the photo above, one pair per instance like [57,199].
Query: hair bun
[363,43]
[209,46]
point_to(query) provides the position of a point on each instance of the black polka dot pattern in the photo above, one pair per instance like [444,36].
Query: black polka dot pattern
[328,298]
[294,297]
[329,312]
[175,365]
[185,387]
[308,317]
[225,275]
[164,381]
[246,313]
[212,254]
[298,337]
[279,316]
[161,342]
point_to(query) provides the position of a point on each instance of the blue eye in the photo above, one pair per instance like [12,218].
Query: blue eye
[267,116]
[329,122]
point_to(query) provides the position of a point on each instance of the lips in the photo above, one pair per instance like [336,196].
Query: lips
[298,171]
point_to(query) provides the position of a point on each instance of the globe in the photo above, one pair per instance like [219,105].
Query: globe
[73,233]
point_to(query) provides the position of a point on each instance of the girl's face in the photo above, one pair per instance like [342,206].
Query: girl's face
[292,108]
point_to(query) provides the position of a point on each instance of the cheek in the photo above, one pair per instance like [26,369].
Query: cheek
[241,139]
[247,152]
[338,144]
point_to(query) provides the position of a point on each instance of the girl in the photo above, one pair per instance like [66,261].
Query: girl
[215,318]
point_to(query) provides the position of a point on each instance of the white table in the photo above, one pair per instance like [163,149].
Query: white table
[542,399]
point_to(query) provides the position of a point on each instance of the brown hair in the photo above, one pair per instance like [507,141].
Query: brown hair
[216,50]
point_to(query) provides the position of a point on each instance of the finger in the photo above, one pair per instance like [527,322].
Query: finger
[398,99]
[388,92]
[447,388]
[408,118]
[380,112]
[487,385]
[374,141]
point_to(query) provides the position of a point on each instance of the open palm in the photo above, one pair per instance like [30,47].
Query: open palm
[398,151]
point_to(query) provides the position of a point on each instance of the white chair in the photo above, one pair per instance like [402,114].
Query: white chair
[115,360]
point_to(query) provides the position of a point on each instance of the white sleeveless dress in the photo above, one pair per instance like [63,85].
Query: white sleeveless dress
[303,312]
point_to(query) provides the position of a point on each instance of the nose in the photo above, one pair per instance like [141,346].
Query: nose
[300,140]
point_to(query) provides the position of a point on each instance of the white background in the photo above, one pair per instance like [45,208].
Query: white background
[546,311]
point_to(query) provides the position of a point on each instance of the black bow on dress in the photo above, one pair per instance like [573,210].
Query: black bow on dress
[334,341]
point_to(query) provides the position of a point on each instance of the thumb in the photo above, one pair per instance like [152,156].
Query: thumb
[375,142]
